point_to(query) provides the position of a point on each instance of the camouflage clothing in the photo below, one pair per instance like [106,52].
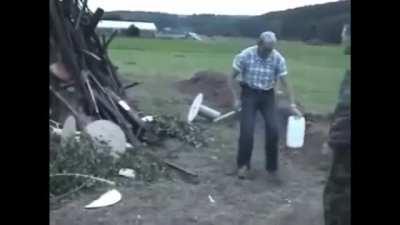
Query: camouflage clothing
[340,132]
[337,191]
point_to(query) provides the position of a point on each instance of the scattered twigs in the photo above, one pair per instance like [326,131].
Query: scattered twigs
[131,85]
[84,176]
[59,197]
[171,164]
[177,167]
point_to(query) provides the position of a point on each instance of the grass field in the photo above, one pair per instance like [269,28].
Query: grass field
[314,71]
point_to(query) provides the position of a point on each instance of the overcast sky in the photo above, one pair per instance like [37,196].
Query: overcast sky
[188,7]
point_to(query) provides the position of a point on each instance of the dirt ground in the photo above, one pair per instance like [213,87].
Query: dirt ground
[294,199]
[297,199]
[213,85]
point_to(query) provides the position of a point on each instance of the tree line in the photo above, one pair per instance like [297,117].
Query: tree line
[322,22]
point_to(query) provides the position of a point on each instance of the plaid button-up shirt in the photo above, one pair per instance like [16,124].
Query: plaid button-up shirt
[259,73]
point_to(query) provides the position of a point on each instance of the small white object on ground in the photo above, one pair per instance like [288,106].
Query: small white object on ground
[148,119]
[109,198]
[211,199]
[130,173]
[128,145]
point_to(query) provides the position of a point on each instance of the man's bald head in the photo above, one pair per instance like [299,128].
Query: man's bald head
[266,43]
[268,38]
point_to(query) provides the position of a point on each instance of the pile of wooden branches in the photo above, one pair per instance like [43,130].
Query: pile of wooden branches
[83,80]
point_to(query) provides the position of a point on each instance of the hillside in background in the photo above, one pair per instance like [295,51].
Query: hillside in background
[323,22]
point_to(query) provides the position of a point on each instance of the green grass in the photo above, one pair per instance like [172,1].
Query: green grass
[314,71]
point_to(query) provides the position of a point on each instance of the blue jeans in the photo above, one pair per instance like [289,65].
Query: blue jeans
[252,101]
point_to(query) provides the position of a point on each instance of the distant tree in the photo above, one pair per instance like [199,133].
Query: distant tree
[311,33]
[132,31]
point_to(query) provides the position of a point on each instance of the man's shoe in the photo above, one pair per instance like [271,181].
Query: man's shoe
[243,172]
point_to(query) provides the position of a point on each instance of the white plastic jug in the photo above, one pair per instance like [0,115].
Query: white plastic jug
[295,132]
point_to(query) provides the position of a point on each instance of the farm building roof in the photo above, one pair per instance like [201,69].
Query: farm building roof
[195,36]
[126,24]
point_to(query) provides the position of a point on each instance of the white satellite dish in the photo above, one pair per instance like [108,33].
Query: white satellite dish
[109,198]
[68,130]
[195,107]
[107,133]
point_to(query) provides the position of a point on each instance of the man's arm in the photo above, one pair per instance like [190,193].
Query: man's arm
[232,86]
[282,74]
[287,88]
[289,91]
[238,65]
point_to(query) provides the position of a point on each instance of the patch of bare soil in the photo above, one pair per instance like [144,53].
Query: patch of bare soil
[213,85]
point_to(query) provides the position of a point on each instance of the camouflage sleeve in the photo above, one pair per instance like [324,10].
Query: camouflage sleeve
[340,131]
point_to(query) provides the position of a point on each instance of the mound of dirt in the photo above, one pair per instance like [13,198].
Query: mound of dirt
[213,85]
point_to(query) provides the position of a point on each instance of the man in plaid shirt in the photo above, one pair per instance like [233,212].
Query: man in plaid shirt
[258,69]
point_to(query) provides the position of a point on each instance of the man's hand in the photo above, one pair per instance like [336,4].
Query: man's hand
[295,110]
[237,104]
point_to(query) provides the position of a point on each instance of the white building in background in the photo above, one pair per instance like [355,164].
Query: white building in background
[194,36]
[146,29]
